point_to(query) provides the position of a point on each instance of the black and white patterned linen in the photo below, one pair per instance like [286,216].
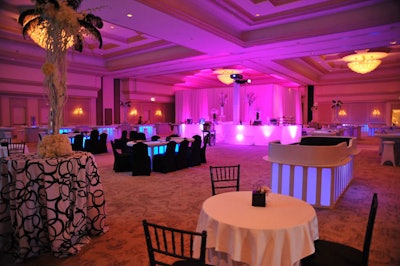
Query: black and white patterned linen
[51,204]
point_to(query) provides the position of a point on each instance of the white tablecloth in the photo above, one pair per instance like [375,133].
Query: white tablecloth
[281,233]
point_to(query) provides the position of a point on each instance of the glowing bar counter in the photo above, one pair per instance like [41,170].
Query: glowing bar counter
[246,134]
[317,170]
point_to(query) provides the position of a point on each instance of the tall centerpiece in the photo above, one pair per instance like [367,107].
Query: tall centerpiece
[222,101]
[251,97]
[336,106]
[56,25]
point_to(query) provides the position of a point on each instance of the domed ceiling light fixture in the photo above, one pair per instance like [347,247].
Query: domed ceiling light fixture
[224,75]
[363,61]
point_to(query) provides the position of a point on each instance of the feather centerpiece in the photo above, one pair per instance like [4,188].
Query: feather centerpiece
[57,25]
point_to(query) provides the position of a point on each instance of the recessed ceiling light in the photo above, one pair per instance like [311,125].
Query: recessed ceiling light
[112,27]
[129,15]
[392,42]
[258,14]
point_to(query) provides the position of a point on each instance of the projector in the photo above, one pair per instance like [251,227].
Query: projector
[243,81]
[236,76]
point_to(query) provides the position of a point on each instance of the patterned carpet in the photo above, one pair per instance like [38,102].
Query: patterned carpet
[175,199]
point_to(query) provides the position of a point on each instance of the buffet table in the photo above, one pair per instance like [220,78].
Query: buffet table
[282,233]
[51,204]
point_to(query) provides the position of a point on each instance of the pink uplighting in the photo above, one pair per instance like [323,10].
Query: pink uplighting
[239,137]
[267,131]
[293,131]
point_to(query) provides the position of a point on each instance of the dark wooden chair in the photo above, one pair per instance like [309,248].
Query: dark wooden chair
[15,148]
[140,159]
[164,243]
[181,158]
[165,163]
[329,253]
[225,178]
[122,161]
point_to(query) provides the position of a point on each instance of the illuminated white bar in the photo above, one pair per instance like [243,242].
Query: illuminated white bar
[316,174]
[246,134]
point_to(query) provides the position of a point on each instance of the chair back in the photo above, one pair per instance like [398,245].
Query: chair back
[141,136]
[6,140]
[124,135]
[133,135]
[170,151]
[165,162]
[15,148]
[140,159]
[114,149]
[103,142]
[370,229]
[172,242]
[225,178]
[94,135]
[182,160]
[78,143]
[195,147]
[203,148]
[155,138]
[171,136]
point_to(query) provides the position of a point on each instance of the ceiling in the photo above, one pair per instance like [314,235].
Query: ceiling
[182,42]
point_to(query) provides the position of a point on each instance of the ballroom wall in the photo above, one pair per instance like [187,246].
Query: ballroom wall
[359,102]
[22,97]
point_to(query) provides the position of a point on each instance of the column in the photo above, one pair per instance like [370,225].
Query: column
[236,103]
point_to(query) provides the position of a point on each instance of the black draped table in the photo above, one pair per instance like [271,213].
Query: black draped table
[51,204]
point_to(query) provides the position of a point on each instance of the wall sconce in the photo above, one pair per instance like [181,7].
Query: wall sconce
[133,112]
[78,111]
[342,112]
[158,113]
[376,112]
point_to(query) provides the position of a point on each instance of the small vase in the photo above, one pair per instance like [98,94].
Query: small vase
[258,199]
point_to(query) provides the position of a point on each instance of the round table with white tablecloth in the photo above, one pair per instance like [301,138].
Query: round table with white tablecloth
[281,233]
